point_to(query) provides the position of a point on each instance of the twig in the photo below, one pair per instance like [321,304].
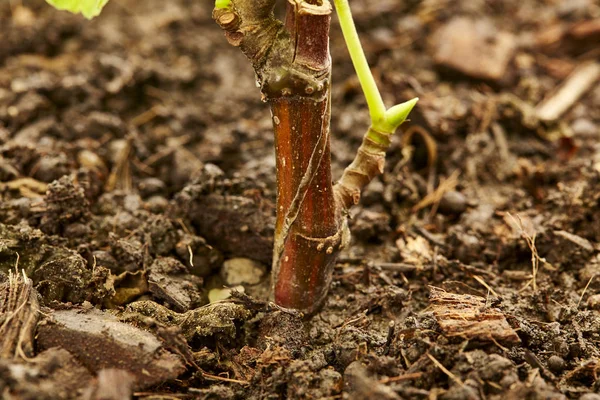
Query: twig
[430,143]
[428,236]
[446,370]
[584,290]
[220,378]
[579,82]
[484,283]
[398,267]
[405,377]
[435,197]
[535,258]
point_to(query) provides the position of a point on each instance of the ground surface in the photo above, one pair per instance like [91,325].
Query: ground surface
[136,157]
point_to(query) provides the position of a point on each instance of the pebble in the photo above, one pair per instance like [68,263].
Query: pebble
[50,168]
[583,127]
[594,302]
[151,186]
[90,160]
[238,271]
[132,202]
[453,202]
[217,294]
[556,364]
[157,204]
[185,166]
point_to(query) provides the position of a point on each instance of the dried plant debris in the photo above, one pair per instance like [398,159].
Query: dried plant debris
[213,319]
[58,273]
[19,313]
[470,317]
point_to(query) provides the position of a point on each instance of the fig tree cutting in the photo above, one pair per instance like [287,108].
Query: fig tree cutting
[292,63]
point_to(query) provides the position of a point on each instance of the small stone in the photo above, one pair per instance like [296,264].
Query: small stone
[132,202]
[151,186]
[583,127]
[573,8]
[92,161]
[156,204]
[478,219]
[22,16]
[50,168]
[453,202]
[238,271]
[474,48]
[360,386]
[556,364]
[223,293]
[594,302]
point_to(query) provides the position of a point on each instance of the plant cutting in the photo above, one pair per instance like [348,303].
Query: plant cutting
[292,63]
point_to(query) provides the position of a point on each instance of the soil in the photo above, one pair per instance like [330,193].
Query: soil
[136,158]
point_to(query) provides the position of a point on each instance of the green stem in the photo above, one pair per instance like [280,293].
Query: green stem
[382,120]
[367,82]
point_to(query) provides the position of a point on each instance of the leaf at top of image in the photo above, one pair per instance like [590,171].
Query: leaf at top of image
[89,8]
[222,3]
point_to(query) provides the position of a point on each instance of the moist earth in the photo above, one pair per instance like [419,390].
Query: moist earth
[137,191]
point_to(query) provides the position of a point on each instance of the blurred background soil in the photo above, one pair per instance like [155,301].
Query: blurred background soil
[137,190]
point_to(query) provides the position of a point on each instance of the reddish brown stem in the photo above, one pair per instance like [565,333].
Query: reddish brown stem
[308,233]
[293,66]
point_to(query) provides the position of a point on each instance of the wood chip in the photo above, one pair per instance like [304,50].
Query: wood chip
[579,82]
[100,341]
[474,48]
[578,240]
[469,317]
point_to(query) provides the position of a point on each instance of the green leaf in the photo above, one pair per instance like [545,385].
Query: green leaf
[89,8]
[396,115]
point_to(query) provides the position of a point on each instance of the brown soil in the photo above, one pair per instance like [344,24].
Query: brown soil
[136,157]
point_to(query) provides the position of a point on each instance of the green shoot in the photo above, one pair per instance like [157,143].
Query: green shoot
[222,3]
[382,119]
[89,8]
